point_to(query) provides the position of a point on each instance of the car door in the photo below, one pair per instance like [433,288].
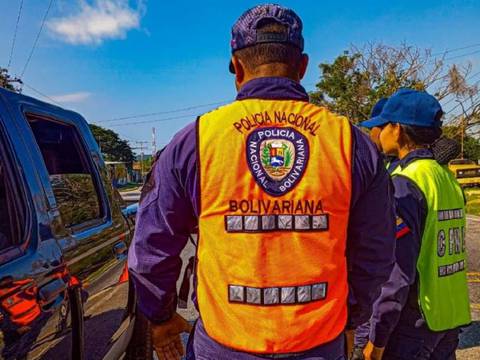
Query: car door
[93,235]
[35,297]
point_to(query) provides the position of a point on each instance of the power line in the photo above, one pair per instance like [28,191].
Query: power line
[456,49]
[41,94]
[463,55]
[474,104]
[15,35]
[191,116]
[172,111]
[456,106]
[455,98]
[163,112]
[225,101]
[36,39]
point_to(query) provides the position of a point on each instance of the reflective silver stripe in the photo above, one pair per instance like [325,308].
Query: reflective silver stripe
[268,222]
[319,291]
[234,223]
[450,269]
[288,295]
[251,223]
[284,222]
[304,294]
[236,293]
[320,222]
[450,214]
[271,296]
[302,222]
[254,296]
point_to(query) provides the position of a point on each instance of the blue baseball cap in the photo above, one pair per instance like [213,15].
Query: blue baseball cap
[408,107]
[244,31]
[377,109]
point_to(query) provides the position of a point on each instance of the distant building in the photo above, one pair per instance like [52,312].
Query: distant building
[118,172]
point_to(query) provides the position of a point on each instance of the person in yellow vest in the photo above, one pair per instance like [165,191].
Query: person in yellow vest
[391,162]
[425,302]
[293,207]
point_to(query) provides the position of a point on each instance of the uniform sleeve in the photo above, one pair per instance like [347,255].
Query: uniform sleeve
[371,230]
[166,217]
[411,214]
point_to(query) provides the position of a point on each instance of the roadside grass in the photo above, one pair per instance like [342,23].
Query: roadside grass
[473,201]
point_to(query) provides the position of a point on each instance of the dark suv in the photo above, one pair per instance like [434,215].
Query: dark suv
[64,290]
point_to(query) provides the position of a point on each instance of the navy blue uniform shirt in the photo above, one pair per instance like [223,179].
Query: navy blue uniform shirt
[399,294]
[170,206]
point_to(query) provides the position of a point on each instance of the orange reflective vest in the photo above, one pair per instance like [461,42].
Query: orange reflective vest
[275,189]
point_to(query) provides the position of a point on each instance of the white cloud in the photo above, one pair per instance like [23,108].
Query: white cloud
[96,22]
[71,98]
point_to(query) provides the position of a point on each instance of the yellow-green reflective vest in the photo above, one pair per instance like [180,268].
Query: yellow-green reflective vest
[441,265]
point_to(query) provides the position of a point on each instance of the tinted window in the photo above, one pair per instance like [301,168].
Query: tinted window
[12,209]
[5,213]
[70,171]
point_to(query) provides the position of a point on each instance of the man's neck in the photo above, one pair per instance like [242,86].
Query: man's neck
[272,70]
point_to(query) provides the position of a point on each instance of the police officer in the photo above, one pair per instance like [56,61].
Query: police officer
[443,149]
[390,161]
[425,301]
[279,189]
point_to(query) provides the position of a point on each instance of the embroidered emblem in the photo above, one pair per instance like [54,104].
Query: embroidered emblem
[277,158]
[401,229]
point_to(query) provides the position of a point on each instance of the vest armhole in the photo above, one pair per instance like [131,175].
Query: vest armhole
[424,201]
[199,169]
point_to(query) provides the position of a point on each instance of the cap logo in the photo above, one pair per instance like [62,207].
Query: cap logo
[277,158]
[271,37]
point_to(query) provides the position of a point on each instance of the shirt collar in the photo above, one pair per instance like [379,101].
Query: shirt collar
[272,88]
[415,155]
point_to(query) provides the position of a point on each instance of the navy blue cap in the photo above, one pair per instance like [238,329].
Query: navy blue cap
[244,31]
[408,107]
[377,109]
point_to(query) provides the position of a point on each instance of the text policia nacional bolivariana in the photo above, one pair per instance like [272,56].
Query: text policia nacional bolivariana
[269,118]
[278,117]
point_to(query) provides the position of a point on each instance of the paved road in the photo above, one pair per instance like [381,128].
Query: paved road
[469,348]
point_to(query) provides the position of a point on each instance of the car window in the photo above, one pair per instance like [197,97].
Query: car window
[12,209]
[71,175]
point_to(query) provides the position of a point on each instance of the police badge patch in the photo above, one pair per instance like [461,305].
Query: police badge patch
[277,158]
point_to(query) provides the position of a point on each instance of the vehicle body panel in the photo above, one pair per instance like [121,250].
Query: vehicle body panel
[466,172]
[71,280]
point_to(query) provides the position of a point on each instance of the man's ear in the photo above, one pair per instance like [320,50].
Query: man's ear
[239,71]
[398,132]
[303,66]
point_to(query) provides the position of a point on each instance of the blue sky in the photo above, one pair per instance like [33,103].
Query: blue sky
[114,58]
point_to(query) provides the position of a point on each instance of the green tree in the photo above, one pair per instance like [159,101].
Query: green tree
[359,77]
[6,80]
[113,148]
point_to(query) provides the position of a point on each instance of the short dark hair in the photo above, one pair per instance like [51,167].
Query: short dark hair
[269,53]
[420,135]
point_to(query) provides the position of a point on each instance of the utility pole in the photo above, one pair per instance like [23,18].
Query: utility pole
[142,146]
[462,128]
[154,142]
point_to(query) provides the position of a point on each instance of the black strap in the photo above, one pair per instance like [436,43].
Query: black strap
[185,287]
